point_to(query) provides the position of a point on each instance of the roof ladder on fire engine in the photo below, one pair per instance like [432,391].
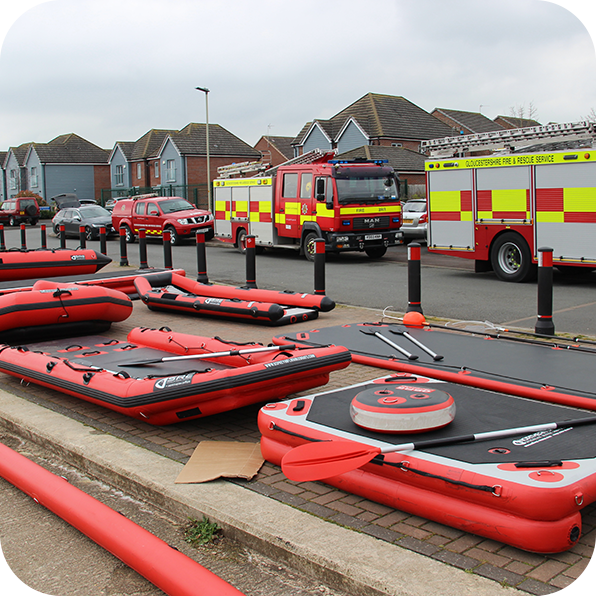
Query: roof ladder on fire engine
[305,158]
[240,169]
[507,139]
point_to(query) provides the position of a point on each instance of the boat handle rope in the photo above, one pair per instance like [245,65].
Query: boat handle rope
[405,466]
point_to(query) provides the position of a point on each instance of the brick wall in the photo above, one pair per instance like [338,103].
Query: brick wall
[101,179]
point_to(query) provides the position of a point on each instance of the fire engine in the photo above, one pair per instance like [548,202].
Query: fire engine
[353,205]
[499,209]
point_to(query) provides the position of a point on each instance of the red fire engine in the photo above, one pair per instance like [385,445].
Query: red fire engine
[501,208]
[353,205]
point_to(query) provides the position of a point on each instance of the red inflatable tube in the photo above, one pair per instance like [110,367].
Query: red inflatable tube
[164,566]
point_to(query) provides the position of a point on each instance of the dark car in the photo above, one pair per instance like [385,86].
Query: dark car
[93,217]
[19,210]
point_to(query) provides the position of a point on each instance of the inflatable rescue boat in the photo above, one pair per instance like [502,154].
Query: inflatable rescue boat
[51,310]
[468,469]
[170,291]
[42,263]
[162,377]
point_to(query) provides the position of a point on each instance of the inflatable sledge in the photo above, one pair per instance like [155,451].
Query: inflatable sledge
[525,489]
[536,370]
[52,310]
[160,376]
[170,291]
[42,263]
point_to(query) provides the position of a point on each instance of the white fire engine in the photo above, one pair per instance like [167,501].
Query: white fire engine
[499,209]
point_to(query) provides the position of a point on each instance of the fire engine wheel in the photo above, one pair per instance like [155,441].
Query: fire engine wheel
[375,252]
[241,240]
[511,258]
[308,245]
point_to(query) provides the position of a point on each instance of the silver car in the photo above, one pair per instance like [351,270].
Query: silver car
[414,220]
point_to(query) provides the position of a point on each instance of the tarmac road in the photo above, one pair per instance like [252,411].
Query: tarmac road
[54,558]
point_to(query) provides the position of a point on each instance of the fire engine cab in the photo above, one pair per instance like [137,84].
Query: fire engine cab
[353,205]
[499,209]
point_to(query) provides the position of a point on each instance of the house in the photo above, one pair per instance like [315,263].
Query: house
[513,122]
[408,164]
[14,172]
[374,119]
[67,164]
[275,150]
[175,162]
[466,123]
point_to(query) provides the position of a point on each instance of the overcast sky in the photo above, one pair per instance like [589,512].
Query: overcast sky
[110,70]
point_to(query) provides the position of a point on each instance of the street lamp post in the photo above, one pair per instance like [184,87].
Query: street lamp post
[206,92]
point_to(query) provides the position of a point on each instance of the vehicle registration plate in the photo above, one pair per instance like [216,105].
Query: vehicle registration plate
[407,221]
[373,236]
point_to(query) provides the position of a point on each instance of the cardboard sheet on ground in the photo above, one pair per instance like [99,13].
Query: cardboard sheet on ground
[221,459]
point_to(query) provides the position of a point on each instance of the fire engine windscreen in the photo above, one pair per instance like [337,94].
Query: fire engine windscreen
[356,185]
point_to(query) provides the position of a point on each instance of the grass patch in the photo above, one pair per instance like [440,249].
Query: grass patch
[199,533]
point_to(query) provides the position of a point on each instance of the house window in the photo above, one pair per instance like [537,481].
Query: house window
[156,168]
[13,179]
[396,144]
[34,180]
[170,170]
[119,175]
[139,171]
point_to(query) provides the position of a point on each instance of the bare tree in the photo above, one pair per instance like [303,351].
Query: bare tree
[521,111]
[591,117]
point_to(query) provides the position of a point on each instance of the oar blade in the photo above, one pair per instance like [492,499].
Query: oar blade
[323,459]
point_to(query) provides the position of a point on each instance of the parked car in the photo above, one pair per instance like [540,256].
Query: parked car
[93,217]
[70,199]
[111,203]
[156,214]
[414,219]
[19,210]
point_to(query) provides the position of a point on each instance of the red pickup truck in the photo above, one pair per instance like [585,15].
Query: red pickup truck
[155,214]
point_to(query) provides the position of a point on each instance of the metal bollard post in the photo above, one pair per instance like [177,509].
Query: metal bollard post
[251,266]
[201,258]
[319,261]
[167,249]
[143,250]
[82,237]
[414,289]
[103,249]
[62,236]
[544,323]
[123,255]
[23,237]
[44,238]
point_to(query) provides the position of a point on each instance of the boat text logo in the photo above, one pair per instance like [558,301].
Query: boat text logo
[174,381]
[287,361]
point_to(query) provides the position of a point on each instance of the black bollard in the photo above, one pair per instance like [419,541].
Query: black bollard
[82,237]
[251,265]
[167,249]
[103,248]
[2,241]
[23,237]
[544,323]
[414,289]
[44,239]
[123,255]
[143,250]
[319,262]
[62,236]
[201,258]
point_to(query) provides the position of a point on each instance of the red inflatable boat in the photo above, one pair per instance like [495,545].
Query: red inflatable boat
[42,263]
[162,377]
[53,310]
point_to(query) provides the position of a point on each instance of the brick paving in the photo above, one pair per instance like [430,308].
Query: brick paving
[529,572]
